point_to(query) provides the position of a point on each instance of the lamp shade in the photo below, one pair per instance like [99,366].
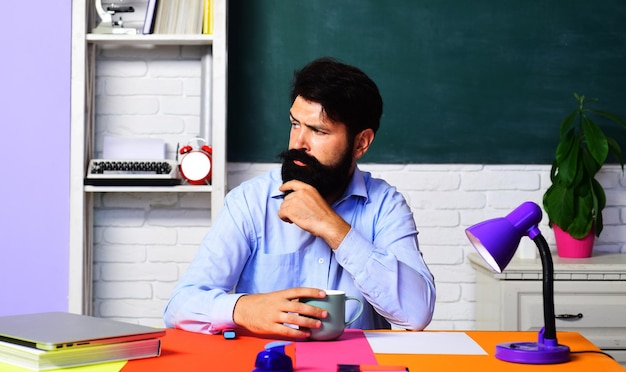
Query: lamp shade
[496,240]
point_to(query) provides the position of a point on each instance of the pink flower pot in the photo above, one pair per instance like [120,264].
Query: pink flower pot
[569,247]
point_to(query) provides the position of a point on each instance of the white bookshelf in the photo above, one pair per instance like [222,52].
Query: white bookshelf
[213,119]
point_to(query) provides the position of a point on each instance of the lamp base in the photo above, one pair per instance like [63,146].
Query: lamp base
[532,353]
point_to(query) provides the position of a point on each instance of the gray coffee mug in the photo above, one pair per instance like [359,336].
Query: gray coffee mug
[334,324]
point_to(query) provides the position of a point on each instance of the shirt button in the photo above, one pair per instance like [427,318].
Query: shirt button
[320,261]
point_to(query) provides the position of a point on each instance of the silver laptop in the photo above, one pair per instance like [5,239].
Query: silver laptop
[59,330]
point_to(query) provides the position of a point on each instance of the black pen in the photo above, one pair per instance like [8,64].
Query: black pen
[284,195]
[373,367]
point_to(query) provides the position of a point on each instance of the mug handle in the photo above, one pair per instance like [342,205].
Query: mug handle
[358,313]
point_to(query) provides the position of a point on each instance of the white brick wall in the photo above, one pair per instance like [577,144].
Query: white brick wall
[153,92]
[144,241]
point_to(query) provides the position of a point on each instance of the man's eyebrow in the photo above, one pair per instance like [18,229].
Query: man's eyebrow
[318,126]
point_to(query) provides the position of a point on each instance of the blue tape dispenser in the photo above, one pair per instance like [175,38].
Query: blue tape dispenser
[273,358]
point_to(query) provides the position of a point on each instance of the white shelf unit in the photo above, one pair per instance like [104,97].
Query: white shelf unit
[213,118]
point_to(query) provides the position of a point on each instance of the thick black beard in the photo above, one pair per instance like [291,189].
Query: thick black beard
[329,180]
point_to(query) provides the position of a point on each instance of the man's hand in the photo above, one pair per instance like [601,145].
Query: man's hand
[305,207]
[267,313]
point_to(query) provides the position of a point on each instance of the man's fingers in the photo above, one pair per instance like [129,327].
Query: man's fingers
[301,292]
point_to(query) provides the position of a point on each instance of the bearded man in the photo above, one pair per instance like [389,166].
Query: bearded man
[316,223]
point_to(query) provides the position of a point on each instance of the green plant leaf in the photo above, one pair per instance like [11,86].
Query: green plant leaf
[580,227]
[553,172]
[568,122]
[611,117]
[567,158]
[591,166]
[582,220]
[559,205]
[567,142]
[595,140]
[580,173]
[599,202]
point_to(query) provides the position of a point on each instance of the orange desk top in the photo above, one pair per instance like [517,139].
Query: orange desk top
[185,351]
[488,340]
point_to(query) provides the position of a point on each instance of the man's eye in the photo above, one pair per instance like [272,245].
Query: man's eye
[295,125]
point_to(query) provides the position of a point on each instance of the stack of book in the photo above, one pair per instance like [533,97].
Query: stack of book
[41,360]
[51,340]
[178,17]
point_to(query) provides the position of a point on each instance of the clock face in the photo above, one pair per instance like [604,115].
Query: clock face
[195,167]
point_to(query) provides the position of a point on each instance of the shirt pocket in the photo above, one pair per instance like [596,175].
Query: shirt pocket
[267,272]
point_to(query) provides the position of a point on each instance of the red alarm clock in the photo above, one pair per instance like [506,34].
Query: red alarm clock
[196,163]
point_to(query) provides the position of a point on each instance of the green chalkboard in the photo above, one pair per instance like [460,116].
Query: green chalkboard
[481,81]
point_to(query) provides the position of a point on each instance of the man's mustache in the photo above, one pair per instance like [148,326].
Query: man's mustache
[299,155]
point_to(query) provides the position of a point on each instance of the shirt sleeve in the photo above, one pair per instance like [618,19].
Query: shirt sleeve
[203,301]
[388,268]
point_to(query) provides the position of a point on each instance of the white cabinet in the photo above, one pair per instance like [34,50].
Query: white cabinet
[589,298]
[212,117]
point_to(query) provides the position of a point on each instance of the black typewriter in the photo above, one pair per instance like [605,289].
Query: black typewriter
[103,172]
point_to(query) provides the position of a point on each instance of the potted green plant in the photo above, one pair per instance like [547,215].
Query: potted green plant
[575,200]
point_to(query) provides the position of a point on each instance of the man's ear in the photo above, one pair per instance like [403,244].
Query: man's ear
[362,142]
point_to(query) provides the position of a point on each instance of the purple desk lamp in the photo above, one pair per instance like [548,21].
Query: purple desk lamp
[496,241]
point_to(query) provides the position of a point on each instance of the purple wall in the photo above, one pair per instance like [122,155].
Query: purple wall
[35,152]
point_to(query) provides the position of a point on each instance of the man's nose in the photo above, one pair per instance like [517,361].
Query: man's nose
[300,140]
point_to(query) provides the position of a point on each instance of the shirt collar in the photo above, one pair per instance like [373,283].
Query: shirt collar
[356,187]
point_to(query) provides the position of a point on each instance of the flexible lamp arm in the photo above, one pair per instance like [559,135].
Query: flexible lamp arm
[548,287]
[549,323]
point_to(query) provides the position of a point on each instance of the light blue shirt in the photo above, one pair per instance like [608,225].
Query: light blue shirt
[249,249]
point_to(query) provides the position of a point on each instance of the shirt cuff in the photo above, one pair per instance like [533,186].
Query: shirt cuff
[224,308]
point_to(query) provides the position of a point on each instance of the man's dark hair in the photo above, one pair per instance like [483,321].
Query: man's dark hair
[347,94]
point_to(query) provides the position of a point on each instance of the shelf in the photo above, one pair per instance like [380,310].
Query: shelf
[152,39]
[181,188]
[210,51]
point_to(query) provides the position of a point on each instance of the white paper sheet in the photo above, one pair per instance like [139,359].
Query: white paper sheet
[423,343]
[132,148]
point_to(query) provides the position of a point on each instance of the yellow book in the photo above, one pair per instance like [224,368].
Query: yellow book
[207,20]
